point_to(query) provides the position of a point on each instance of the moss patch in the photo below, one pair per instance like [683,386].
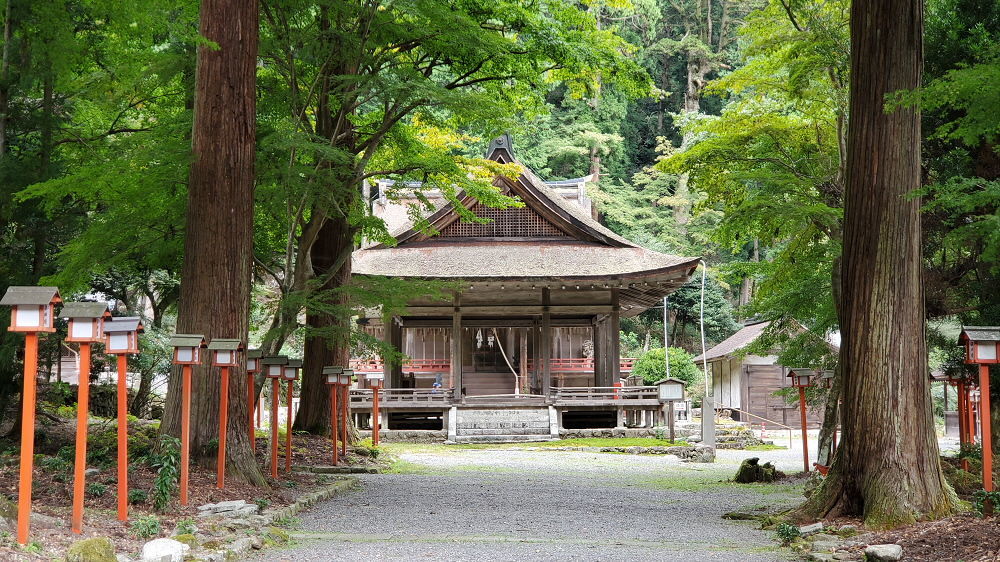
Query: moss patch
[97,549]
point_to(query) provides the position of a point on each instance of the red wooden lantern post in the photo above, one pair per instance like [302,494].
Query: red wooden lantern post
[273,369]
[225,354]
[333,375]
[376,384]
[982,347]
[86,327]
[345,386]
[290,373]
[800,380]
[187,352]
[253,367]
[33,311]
[121,338]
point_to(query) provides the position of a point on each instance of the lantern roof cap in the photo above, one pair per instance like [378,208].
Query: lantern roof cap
[980,333]
[799,371]
[255,353]
[123,324]
[30,295]
[333,370]
[668,380]
[187,340]
[225,344]
[276,360]
[84,310]
[297,363]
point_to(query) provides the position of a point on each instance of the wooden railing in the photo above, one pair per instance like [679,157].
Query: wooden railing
[402,397]
[604,393]
[419,366]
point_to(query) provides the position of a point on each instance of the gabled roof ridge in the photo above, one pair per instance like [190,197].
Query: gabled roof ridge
[573,219]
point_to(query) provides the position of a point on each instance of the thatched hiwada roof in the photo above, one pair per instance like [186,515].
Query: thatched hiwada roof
[549,241]
[497,260]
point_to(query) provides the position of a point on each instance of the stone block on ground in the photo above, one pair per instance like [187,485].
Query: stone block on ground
[884,553]
[164,550]
[807,530]
[98,549]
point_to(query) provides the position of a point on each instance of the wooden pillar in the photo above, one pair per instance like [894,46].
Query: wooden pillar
[524,386]
[456,348]
[393,375]
[598,351]
[546,353]
[614,339]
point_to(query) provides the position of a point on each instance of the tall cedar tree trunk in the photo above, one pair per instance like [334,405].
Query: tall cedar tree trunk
[218,244]
[887,468]
[325,347]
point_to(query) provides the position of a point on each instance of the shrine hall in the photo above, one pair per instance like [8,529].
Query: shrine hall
[533,322]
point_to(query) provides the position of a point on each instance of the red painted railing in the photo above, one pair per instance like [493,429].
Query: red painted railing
[434,366]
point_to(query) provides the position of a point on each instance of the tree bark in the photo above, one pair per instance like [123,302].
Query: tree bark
[218,245]
[327,339]
[887,468]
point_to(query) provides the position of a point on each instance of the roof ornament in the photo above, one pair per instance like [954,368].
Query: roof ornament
[503,142]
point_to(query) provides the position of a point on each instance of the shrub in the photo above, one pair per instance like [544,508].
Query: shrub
[185,527]
[97,489]
[55,464]
[145,526]
[167,464]
[137,496]
[787,532]
[981,497]
[651,367]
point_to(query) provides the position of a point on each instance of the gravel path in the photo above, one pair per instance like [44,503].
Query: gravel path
[498,505]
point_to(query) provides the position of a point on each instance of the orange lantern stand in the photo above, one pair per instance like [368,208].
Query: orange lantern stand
[345,384]
[86,327]
[290,373]
[800,380]
[121,337]
[376,380]
[32,311]
[274,369]
[982,348]
[225,354]
[187,353]
[253,367]
[333,375]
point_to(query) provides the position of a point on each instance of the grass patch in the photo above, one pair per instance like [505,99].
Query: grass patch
[399,466]
[766,447]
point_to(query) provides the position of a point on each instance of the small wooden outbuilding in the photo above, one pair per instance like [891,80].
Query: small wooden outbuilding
[745,384]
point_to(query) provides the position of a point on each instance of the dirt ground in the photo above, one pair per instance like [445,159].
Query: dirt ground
[52,490]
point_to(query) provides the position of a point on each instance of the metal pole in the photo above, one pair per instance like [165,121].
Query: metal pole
[984,426]
[27,436]
[82,421]
[223,422]
[334,425]
[122,437]
[274,427]
[805,437]
[185,431]
[288,428]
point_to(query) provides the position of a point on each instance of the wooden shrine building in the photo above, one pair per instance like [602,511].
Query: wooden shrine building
[541,290]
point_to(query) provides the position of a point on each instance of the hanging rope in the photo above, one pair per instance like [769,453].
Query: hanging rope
[517,386]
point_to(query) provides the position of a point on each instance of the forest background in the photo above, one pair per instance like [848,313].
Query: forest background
[712,128]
